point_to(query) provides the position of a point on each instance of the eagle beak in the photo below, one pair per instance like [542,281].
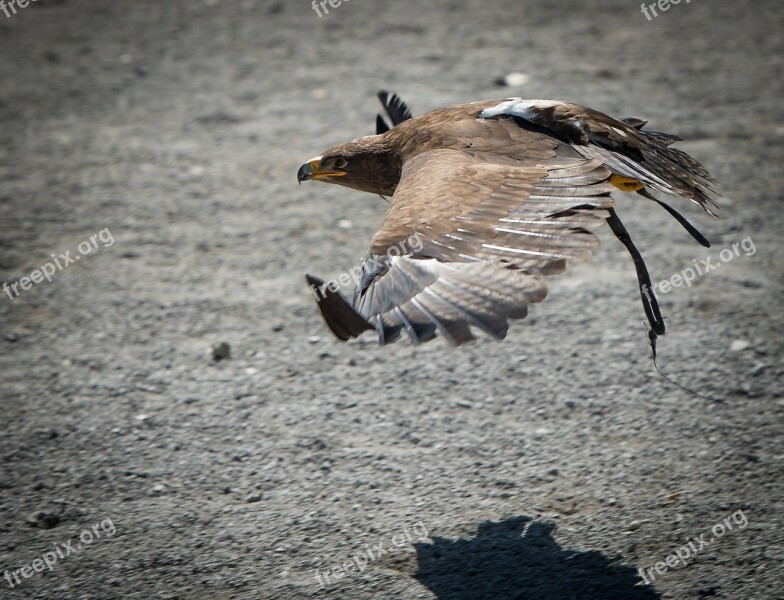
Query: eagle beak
[312,170]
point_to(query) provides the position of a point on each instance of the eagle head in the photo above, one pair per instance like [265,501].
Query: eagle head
[368,164]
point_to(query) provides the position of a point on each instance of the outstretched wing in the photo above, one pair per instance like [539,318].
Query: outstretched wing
[466,240]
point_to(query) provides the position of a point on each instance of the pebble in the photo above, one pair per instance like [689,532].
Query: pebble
[513,79]
[157,490]
[43,519]
[758,369]
[738,345]
[221,351]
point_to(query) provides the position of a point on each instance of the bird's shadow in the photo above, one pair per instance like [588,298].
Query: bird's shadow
[518,559]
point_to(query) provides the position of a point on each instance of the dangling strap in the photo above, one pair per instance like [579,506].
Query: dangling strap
[693,231]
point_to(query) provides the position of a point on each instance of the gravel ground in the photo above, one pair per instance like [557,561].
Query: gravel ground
[553,465]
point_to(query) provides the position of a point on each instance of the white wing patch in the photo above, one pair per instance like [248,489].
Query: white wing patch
[518,107]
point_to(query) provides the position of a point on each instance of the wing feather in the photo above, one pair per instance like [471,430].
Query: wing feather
[488,232]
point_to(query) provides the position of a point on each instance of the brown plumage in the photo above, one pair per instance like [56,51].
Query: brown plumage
[486,198]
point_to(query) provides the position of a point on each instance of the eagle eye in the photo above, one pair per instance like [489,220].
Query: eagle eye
[340,162]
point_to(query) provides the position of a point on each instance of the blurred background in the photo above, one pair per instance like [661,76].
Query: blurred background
[179,382]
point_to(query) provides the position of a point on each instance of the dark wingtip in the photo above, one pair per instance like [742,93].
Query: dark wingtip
[395,108]
[635,122]
[339,316]
[381,125]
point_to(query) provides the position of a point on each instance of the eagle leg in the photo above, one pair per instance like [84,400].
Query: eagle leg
[649,302]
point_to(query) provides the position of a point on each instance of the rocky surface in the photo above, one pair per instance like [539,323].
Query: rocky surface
[553,465]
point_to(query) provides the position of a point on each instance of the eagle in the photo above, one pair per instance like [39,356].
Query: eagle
[486,199]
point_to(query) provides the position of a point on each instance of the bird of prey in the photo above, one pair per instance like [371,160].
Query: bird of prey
[486,199]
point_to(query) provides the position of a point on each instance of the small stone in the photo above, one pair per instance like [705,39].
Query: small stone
[634,525]
[43,520]
[221,351]
[758,369]
[254,497]
[738,345]
[158,489]
[345,224]
[513,79]
[48,434]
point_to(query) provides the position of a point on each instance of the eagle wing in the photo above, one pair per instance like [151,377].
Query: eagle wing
[465,241]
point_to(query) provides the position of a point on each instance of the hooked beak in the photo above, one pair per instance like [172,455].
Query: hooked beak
[312,170]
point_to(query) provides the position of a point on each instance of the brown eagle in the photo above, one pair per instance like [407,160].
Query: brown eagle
[486,198]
